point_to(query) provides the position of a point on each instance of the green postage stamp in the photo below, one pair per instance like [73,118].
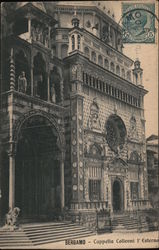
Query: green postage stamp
[138,20]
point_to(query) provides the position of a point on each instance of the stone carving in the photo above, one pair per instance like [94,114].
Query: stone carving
[94,121]
[22,83]
[77,72]
[11,218]
[40,34]
[133,134]
[53,95]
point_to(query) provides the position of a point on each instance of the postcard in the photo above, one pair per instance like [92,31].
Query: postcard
[79,125]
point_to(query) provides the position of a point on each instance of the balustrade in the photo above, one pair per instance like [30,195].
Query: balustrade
[97,205]
[140,204]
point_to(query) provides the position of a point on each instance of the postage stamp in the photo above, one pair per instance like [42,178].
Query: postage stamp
[138,20]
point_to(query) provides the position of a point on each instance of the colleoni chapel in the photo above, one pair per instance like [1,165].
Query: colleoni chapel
[72,108]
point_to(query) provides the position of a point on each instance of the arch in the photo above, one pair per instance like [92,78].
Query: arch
[105,32]
[40,77]
[55,84]
[93,57]
[22,119]
[73,42]
[118,70]
[115,133]
[118,195]
[134,158]
[123,73]
[100,60]
[112,67]
[106,64]
[22,65]
[64,50]
[112,37]
[128,75]
[37,168]
[79,42]
[87,52]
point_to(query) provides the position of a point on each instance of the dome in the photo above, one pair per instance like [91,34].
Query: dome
[38,5]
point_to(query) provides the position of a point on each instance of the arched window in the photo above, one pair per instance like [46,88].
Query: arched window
[40,79]
[112,37]
[116,133]
[123,73]
[64,50]
[100,60]
[128,75]
[22,65]
[134,158]
[86,52]
[112,67]
[73,42]
[118,70]
[105,33]
[106,64]
[78,42]
[93,56]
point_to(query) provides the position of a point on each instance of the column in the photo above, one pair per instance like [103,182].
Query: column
[48,84]
[49,38]
[11,180]
[29,28]
[62,182]
[32,79]
[76,41]
[12,70]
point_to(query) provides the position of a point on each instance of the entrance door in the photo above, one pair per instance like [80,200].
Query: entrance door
[117,196]
[37,180]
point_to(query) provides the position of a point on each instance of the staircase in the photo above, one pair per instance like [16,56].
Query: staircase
[15,238]
[126,223]
[42,233]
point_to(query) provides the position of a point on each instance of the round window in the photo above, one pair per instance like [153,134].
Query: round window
[115,133]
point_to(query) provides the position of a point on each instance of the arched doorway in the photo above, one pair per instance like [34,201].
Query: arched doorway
[37,173]
[117,196]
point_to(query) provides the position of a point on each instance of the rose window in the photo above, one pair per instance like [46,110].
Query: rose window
[115,133]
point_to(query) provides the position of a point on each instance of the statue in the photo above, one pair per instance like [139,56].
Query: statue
[53,95]
[22,83]
[11,218]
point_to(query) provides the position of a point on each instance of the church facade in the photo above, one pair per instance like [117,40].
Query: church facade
[73,126]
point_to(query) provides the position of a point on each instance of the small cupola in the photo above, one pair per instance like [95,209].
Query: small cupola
[137,73]
[75,20]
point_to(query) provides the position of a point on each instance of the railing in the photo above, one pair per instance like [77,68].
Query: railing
[90,205]
[21,100]
[140,204]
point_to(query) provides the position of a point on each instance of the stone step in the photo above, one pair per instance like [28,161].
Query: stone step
[41,229]
[37,234]
[51,240]
[54,233]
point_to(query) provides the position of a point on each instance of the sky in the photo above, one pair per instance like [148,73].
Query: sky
[148,55]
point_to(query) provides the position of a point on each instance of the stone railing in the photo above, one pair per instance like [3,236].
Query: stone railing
[27,101]
[140,204]
[95,205]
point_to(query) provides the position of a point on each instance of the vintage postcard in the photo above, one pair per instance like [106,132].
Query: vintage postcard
[79,125]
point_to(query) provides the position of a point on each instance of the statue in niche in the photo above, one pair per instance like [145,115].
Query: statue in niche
[22,83]
[53,94]
[46,38]
[33,33]
[94,122]
[133,134]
